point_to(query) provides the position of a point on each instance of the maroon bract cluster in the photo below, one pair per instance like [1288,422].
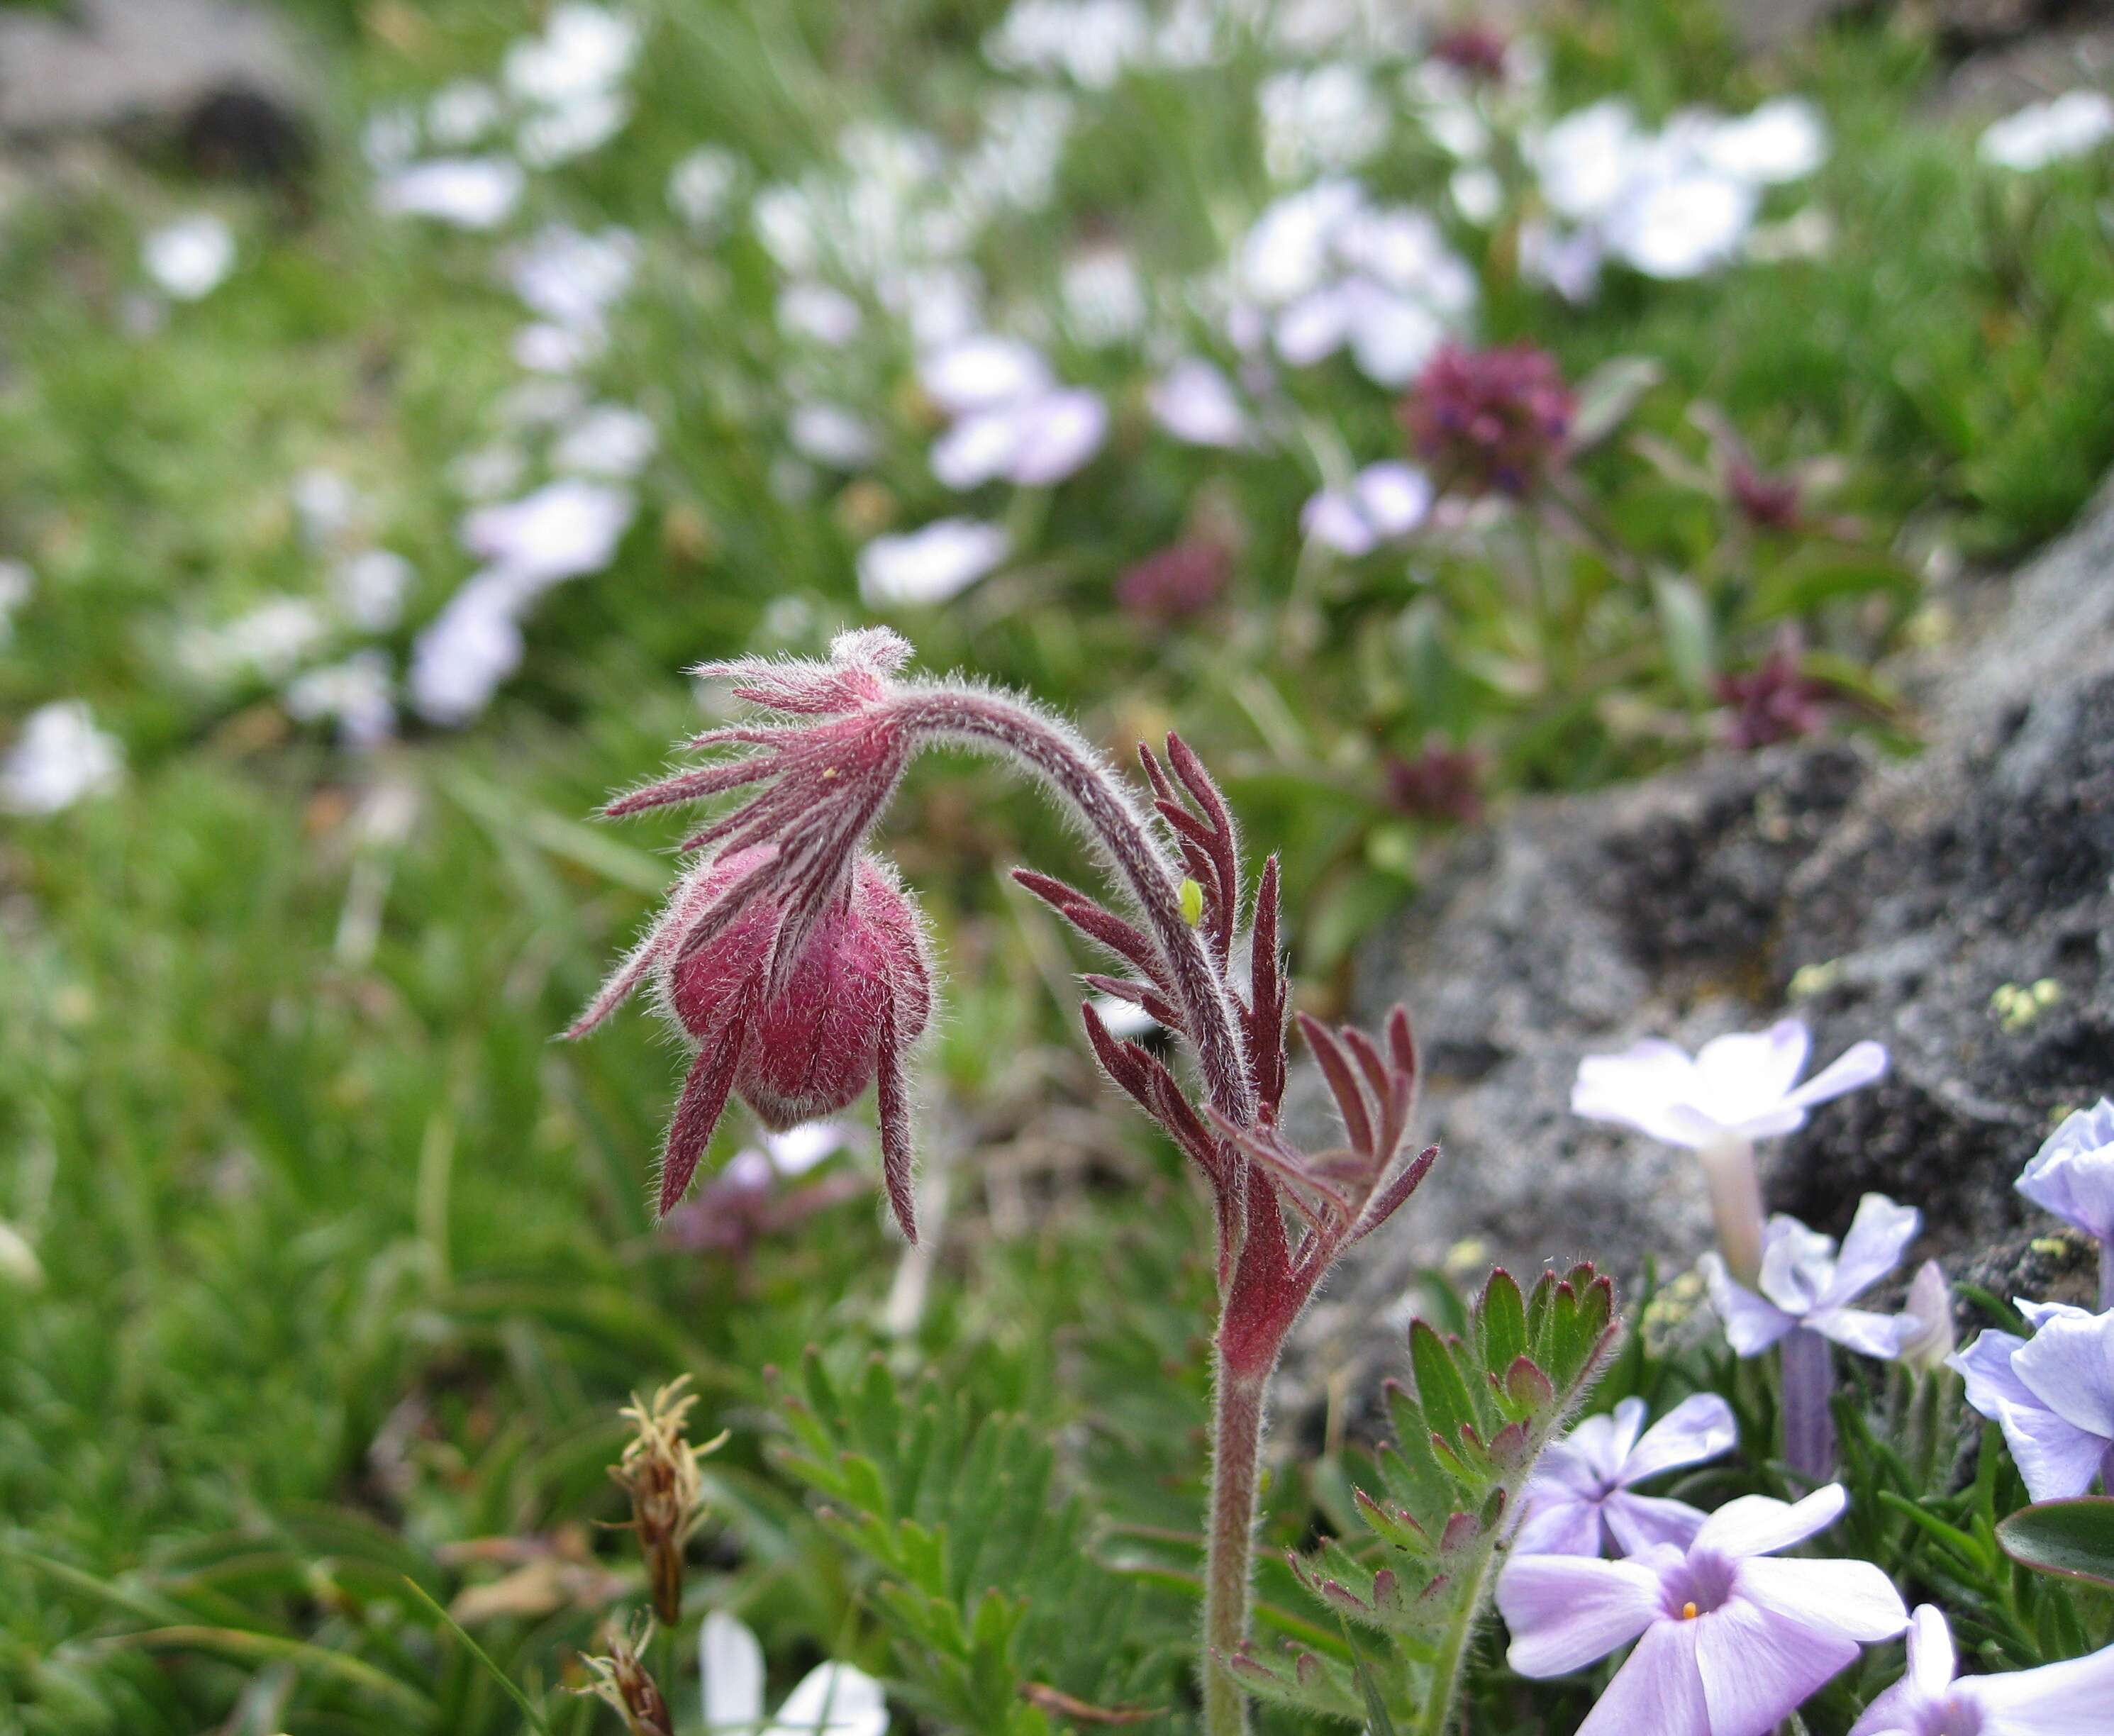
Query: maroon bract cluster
[1179,581]
[1774,701]
[1474,50]
[1490,420]
[1439,783]
[793,964]
[1766,503]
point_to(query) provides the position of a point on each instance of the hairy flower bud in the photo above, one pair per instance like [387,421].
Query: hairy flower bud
[857,996]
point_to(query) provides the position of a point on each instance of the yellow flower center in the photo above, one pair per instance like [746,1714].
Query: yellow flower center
[1688,1612]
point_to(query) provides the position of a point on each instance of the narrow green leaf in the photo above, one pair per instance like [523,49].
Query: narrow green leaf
[506,1682]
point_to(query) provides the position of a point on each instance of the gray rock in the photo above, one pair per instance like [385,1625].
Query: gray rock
[2008,75]
[1880,899]
[96,64]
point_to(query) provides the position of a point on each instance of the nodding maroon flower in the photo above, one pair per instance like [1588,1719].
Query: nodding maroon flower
[792,962]
[1774,701]
[1766,503]
[1437,783]
[1490,420]
[1474,50]
[1184,579]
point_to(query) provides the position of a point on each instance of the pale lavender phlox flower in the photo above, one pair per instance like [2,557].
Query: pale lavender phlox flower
[1729,1639]
[1931,1699]
[2072,1174]
[1743,1086]
[1806,1282]
[1582,1493]
[2053,1395]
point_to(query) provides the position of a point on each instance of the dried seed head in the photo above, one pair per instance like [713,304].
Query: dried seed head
[658,1471]
[622,1681]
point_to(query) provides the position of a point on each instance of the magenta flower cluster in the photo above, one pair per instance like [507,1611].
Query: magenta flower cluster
[1490,421]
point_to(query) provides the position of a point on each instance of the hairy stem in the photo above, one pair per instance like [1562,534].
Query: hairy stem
[1436,1717]
[990,722]
[1236,1452]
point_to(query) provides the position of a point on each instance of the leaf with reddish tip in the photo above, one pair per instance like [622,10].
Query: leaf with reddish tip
[1526,1385]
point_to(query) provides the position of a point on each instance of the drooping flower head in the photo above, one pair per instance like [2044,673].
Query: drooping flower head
[1729,1638]
[1934,1699]
[793,962]
[1581,1497]
[2053,1395]
[1490,420]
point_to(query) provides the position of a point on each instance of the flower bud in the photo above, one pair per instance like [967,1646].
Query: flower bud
[1930,1304]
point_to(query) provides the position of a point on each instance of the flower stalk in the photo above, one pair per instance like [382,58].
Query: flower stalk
[1736,1205]
[1807,1378]
[786,943]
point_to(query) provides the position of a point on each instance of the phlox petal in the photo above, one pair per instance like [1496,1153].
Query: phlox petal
[1858,1065]
[1752,1323]
[1558,1522]
[1756,1667]
[1565,1611]
[1659,1689]
[835,1700]
[2068,1365]
[1636,1522]
[730,1665]
[2067,1699]
[1852,1599]
[1878,1236]
[1697,1428]
[1756,1525]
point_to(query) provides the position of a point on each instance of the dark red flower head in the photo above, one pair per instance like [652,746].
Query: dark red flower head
[1767,502]
[1774,701]
[1476,49]
[1439,783]
[792,962]
[1182,581]
[1490,420]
